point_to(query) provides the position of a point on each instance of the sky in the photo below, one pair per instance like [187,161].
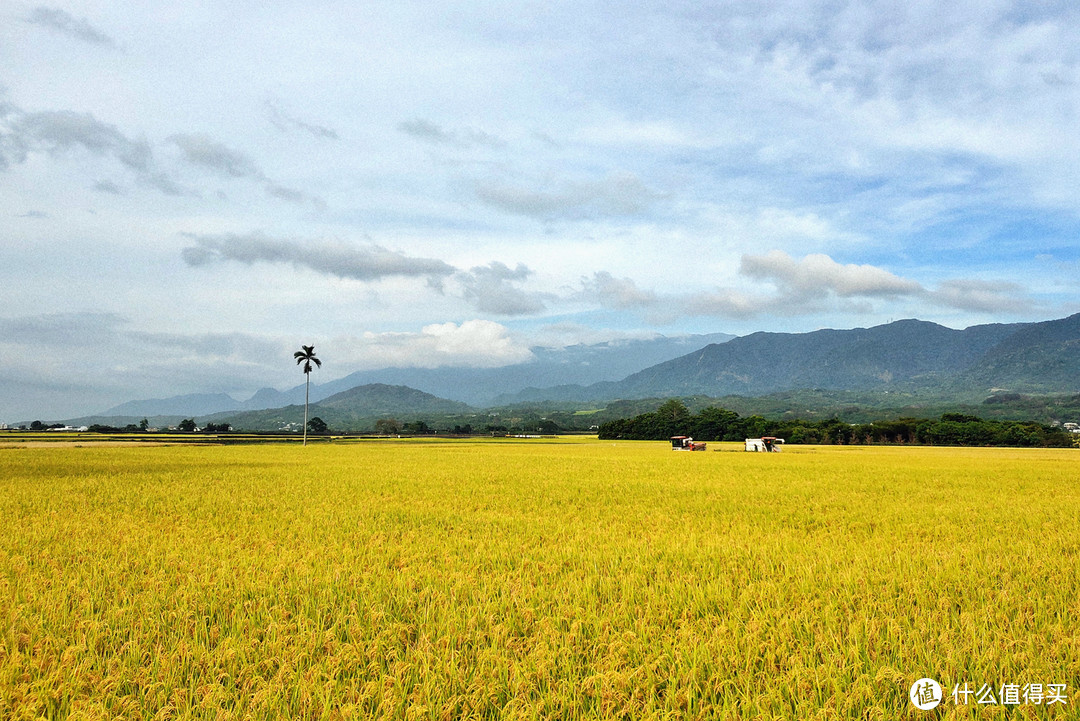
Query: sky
[190,191]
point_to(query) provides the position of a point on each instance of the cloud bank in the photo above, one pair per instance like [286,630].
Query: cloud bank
[99,357]
[669,167]
[364,263]
[617,195]
[64,23]
[818,274]
[472,343]
[492,289]
[430,132]
[203,151]
[286,122]
[804,286]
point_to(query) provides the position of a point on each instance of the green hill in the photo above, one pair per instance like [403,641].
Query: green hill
[355,409]
[906,356]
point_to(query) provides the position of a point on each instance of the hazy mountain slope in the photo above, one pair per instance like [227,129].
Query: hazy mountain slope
[194,404]
[578,364]
[272,398]
[355,409]
[909,355]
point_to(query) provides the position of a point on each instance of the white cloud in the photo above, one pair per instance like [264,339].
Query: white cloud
[810,285]
[65,24]
[473,343]
[619,194]
[71,134]
[981,296]
[493,289]
[733,304]
[364,263]
[563,334]
[655,133]
[66,364]
[285,122]
[818,274]
[200,149]
[868,159]
[60,132]
[613,292]
[433,133]
[203,151]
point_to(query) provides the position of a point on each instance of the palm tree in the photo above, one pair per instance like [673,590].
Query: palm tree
[306,356]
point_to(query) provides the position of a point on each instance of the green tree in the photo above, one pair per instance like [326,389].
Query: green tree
[306,355]
[387,426]
[317,425]
[673,411]
[672,418]
[546,425]
[187,425]
[417,427]
[716,424]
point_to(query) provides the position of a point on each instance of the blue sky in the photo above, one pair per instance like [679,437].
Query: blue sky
[188,193]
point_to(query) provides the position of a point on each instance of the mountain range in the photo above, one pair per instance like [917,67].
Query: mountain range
[907,355]
[356,408]
[577,364]
[910,357]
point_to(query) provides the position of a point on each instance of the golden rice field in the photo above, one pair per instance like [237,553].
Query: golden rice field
[518,579]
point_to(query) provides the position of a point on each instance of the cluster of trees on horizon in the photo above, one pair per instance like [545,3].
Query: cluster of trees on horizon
[673,417]
[187,425]
[719,424]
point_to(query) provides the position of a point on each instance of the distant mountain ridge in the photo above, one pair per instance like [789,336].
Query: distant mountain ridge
[350,409]
[1039,357]
[899,354]
[909,355]
[581,364]
[192,404]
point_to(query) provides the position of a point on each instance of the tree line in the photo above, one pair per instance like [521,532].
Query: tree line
[719,424]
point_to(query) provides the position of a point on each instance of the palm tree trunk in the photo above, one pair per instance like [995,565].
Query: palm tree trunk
[307,387]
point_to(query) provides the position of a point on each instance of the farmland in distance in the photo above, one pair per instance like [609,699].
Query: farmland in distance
[560,579]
